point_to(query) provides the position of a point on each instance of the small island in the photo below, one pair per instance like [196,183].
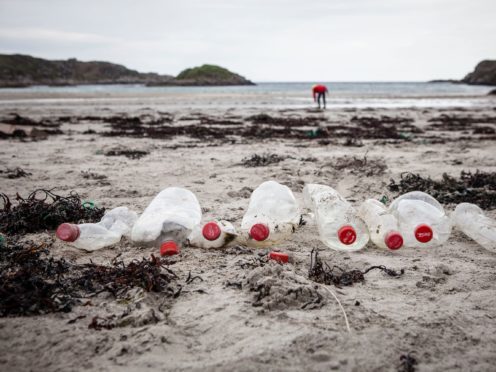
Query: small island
[17,70]
[206,75]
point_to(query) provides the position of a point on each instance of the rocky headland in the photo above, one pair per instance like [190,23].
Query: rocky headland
[17,70]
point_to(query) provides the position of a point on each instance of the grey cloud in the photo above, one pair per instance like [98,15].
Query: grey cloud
[262,39]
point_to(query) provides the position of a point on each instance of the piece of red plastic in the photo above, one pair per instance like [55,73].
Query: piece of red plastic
[279,257]
[169,248]
[259,232]
[347,235]
[211,231]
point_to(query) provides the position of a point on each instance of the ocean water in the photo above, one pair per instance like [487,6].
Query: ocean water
[279,95]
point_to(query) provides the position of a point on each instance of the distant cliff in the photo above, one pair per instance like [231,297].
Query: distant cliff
[21,70]
[484,74]
[207,75]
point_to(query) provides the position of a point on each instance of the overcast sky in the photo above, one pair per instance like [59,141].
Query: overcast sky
[264,40]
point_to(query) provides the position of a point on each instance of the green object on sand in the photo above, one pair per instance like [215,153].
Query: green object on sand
[313,133]
[89,204]
[384,199]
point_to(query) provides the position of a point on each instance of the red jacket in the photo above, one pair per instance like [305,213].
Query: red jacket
[319,89]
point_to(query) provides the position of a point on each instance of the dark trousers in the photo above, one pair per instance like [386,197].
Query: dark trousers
[319,96]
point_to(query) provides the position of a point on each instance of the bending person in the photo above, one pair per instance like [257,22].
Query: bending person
[319,92]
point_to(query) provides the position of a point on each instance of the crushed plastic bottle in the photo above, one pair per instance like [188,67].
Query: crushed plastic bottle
[422,220]
[168,220]
[213,234]
[272,215]
[336,219]
[114,224]
[382,225]
[470,219]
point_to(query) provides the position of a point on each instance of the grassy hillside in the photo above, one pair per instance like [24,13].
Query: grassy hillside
[210,75]
[22,70]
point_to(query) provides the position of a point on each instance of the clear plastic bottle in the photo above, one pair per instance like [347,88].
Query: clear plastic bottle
[272,215]
[336,219]
[422,220]
[470,219]
[213,234]
[382,225]
[93,236]
[168,220]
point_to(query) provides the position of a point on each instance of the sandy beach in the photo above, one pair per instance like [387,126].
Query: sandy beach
[441,311]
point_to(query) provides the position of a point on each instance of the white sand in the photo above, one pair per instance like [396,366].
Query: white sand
[443,309]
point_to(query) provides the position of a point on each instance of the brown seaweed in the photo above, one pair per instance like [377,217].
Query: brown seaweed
[321,272]
[477,188]
[44,210]
[32,282]
[262,160]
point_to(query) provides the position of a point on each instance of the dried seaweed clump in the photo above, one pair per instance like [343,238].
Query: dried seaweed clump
[321,272]
[130,154]
[15,173]
[477,188]
[30,283]
[33,283]
[262,160]
[354,165]
[284,121]
[149,274]
[407,363]
[44,210]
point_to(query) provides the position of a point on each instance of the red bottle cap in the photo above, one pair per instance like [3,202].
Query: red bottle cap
[68,232]
[423,233]
[259,232]
[393,240]
[169,248]
[211,231]
[347,235]
[279,257]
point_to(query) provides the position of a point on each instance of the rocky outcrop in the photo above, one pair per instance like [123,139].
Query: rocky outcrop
[484,74]
[21,70]
[207,75]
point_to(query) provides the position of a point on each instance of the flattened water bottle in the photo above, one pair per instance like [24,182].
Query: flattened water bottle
[470,219]
[92,236]
[168,220]
[272,215]
[422,220]
[382,225]
[336,219]
[213,234]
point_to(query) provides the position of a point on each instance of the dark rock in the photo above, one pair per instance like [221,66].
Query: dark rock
[452,81]
[492,93]
[484,74]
